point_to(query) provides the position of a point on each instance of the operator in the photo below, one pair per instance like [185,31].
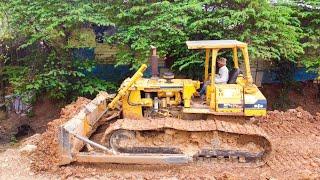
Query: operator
[221,78]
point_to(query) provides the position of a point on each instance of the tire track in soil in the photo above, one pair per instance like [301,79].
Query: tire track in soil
[295,142]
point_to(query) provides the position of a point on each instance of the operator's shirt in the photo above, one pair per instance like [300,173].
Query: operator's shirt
[223,75]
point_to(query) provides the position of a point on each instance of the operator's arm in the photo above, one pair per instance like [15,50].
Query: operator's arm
[223,75]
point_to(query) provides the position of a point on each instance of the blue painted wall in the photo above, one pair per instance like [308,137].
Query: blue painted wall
[116,74]
[104,71]
[300,74]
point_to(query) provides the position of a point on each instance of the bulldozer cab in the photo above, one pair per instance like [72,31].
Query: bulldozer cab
[212,47]
[239,95]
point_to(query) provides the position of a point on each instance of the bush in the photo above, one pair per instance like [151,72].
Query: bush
[57,82]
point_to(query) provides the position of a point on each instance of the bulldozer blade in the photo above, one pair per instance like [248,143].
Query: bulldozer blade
[82,125]
[74,134]
[133,158]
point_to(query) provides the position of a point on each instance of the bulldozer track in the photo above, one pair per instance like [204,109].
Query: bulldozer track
[199,126]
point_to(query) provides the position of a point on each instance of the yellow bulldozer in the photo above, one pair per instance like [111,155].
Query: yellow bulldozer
[162,120]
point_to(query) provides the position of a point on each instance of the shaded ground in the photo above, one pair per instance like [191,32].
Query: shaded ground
[304,94]
[17,127]
[295,136]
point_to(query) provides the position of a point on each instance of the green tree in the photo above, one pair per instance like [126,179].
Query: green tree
[280,31]
[308,13]
[43,28]
[4,35]
[270,30]
[3,111]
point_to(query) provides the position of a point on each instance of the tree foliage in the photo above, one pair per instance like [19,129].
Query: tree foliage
[282,31]
[43,28]
[52,21]
[272,30]
[308,13]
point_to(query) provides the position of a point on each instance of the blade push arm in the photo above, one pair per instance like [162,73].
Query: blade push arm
[124,90]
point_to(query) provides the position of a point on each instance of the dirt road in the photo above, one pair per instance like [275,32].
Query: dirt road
[295,136]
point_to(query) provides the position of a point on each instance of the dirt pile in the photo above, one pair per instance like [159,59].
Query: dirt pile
[298,115]
[46,157]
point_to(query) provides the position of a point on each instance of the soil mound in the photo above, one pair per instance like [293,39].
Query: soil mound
[46,157]
[291,115]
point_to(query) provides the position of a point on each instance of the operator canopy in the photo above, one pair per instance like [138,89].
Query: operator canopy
[212,44]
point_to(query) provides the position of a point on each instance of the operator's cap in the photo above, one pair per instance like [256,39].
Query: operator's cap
[222,60]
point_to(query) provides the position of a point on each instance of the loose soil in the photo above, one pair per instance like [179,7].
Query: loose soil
[46,157]
[294,135]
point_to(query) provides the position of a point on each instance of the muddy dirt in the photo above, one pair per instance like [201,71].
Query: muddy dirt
[294,134]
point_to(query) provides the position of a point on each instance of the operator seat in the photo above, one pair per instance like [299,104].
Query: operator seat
[233,76]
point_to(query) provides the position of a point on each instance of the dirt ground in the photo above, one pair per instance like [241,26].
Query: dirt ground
[294,134]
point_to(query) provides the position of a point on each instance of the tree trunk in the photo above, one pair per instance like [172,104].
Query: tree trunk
[3,112]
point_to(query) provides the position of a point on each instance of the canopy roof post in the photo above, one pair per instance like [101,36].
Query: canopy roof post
[213,66]
[235,57]
[206,66]
[247,64]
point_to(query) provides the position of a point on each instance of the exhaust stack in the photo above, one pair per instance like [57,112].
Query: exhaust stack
[154,62]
